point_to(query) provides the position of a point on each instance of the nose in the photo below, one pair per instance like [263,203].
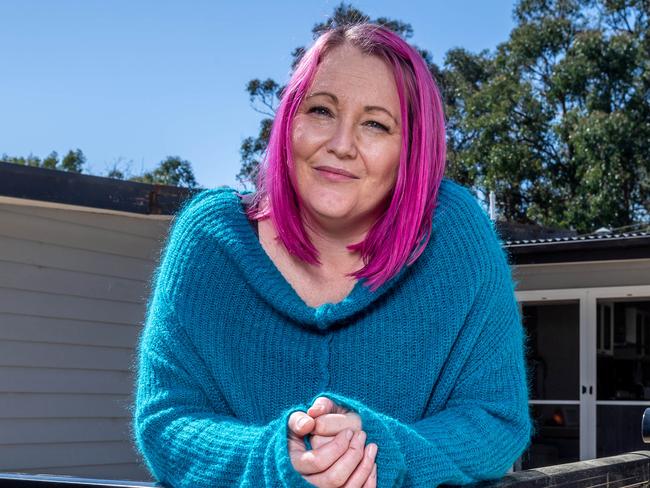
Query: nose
[342,143]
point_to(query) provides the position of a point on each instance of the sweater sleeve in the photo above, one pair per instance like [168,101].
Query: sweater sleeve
[485,425]
[181,425]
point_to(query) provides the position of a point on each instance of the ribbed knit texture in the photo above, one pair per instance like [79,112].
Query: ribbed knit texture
[433,361]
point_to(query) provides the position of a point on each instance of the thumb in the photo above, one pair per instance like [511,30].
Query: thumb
[300,424]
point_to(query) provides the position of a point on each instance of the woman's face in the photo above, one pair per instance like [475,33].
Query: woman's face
[349,120]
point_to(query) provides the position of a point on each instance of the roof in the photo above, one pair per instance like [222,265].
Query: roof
[526,244]
[543,245]
[89,191]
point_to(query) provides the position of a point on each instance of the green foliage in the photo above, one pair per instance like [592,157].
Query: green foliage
[73,161]
[172,171]
[116,173]
[51,161]
[556,121]
[562,125]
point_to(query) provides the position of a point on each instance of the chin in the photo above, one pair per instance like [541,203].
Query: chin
[331,212]
[329,208]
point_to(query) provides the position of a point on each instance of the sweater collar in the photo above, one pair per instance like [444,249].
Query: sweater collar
[243,247]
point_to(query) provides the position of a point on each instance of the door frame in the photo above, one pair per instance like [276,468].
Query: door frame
[587,299]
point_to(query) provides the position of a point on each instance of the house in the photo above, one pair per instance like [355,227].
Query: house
[585,303]
[76,256]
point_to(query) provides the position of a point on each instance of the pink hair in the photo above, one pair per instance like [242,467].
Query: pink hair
[402,233]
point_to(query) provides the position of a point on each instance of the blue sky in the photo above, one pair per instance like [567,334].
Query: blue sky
[141,80]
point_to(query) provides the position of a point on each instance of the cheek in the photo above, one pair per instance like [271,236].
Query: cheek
[394,160]
[387,165]
[305,139]
[297,139]
[391,176]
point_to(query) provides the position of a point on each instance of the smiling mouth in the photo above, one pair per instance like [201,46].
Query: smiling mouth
[335,172]
[334,177]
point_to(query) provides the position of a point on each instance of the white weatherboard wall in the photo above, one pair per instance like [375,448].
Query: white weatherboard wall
[74,283]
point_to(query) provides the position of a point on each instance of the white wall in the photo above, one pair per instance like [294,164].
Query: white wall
[73,289]
[583,275]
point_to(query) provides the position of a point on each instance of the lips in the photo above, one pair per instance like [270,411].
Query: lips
[337,171]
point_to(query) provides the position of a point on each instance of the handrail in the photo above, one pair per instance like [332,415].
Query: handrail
[21,480]
[631,469]
[625,470]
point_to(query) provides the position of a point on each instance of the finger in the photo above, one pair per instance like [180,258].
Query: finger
[372,479]
[317,441]
[296,446]
[362,474]
[321,406]
[332,423]
[319,460]
[300,423]
[340,471]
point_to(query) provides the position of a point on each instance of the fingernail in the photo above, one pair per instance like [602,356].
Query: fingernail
[348,434]
[302,422]
[372,450]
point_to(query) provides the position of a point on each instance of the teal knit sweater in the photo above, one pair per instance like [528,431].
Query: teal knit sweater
[432,361]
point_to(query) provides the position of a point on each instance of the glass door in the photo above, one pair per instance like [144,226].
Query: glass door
[553,364]
[588,360]
[622,373]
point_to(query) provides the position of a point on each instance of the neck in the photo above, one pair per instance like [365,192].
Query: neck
[331,240]
[333,253]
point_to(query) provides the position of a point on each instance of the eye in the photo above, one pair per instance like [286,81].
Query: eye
[378,125]
[320,110]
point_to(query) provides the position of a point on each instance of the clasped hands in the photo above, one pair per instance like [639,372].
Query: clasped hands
[339,456]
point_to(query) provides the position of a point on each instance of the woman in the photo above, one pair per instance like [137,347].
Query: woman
[332,329]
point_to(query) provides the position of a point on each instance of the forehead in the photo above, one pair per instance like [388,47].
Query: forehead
[355,77]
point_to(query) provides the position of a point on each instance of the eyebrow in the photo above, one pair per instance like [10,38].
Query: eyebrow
[367,108]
